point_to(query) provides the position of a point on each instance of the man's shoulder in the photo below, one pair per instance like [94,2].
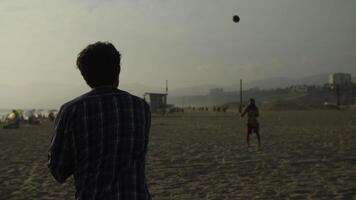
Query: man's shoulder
[75,101]
[138,100]
[69,105]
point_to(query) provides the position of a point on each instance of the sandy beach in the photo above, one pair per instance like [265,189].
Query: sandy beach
[203,155]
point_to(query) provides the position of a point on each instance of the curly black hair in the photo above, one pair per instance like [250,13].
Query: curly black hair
[99,64]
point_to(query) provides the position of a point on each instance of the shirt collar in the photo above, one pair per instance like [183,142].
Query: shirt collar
[104,88]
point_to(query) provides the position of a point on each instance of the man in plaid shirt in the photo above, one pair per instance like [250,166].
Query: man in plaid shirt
[101,137]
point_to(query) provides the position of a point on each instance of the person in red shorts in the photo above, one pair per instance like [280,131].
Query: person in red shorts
[252,123]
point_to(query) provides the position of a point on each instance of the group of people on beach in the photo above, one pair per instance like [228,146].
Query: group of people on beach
[16,117]
[11,120]
[101,137]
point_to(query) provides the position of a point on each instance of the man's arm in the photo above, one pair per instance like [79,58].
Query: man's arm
[141,143]
[244,112]
[60,155]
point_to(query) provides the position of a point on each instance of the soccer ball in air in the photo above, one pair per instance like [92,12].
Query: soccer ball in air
[236,18]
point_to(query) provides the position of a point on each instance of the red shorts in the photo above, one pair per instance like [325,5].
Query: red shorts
[253,127]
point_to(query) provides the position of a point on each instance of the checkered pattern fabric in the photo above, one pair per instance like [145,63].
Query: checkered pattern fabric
[101,138]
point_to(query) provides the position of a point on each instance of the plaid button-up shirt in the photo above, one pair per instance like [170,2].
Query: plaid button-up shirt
[101,138]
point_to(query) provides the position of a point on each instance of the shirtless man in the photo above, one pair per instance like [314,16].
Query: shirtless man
[252,124]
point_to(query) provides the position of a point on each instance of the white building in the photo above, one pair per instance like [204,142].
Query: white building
[340,79]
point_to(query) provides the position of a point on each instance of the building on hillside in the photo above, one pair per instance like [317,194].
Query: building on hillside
[340,79]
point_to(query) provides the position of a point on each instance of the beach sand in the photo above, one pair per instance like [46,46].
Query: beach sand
[203,155]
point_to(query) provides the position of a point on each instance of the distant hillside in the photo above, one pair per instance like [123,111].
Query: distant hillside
[282,82]
[139,89]
[195,90]
[319,79]
[268,83]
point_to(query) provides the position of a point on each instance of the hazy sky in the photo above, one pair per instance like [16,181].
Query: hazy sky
[188,42]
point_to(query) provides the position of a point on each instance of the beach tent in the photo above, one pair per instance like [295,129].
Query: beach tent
[42,113]
[32,117]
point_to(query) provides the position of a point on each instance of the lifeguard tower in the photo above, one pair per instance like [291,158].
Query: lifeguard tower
[157,101]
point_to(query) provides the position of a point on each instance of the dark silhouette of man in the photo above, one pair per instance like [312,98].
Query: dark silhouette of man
[101,137]
[252,123]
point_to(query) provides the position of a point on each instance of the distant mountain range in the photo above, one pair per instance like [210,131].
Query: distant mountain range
[268,83]
[281,82]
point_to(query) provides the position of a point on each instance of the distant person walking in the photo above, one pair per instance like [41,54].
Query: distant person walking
[101,137]
[252,123]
